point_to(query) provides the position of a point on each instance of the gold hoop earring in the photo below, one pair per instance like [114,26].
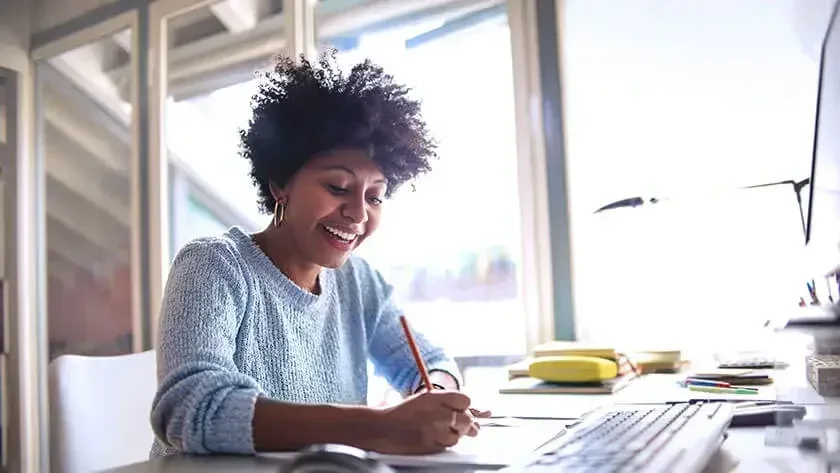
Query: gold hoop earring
[278,219]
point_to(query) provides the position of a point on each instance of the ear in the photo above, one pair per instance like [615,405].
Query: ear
[277,192]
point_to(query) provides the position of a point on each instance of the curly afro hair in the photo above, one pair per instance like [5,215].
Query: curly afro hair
[302,109]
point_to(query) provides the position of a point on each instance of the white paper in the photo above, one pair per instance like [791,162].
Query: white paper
[494,447]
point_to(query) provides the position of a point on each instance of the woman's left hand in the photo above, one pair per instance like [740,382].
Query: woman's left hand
[476,414]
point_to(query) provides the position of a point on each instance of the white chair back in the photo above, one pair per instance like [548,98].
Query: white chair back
[99,411]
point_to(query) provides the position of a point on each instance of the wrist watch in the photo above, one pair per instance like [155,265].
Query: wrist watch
[422,387]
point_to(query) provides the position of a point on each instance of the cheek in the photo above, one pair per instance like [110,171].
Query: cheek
[373,221]
[307,212]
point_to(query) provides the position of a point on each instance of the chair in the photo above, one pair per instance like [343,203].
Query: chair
[99,411]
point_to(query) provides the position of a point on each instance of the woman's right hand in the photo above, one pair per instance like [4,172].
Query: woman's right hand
[428,422]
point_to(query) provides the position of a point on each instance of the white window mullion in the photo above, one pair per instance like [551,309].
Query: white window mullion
[300,28]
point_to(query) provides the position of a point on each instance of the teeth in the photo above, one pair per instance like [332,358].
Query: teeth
[343,235]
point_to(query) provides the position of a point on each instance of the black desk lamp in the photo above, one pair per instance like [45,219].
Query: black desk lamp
[639,201]
[827,320]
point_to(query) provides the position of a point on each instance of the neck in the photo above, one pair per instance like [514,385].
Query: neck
[281,250]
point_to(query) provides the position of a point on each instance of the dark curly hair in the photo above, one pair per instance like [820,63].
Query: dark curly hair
[303,108]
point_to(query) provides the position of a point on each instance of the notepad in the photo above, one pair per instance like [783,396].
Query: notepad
[494,447]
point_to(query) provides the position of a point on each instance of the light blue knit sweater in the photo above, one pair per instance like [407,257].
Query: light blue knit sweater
[233,327]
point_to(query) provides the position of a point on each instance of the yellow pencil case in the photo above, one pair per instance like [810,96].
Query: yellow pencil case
[573,369]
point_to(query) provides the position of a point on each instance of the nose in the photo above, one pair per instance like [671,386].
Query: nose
[355,210]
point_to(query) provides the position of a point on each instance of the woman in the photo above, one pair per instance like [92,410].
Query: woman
[264,339]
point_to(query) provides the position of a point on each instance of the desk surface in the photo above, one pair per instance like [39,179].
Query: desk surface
[743,452]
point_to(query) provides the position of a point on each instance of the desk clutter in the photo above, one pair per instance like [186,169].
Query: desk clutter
[823,374]
[733,377]
[727,381]
[562,367]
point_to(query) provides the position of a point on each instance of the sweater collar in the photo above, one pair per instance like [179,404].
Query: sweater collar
[290,292]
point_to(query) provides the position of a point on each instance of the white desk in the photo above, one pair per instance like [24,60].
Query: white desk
[743,451]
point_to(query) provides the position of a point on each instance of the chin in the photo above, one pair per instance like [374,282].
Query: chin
[334,262]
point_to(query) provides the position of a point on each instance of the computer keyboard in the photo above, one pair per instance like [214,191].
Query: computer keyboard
[654,438]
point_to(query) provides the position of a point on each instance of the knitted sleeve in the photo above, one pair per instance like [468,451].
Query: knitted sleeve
[387,343]
[203,403]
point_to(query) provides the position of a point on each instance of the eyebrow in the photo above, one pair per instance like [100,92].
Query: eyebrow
[341,167]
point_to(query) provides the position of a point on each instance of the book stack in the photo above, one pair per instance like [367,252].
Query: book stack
[522,379]
[658,361]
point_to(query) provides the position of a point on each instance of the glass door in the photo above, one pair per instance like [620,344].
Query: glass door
[210,63]
[87,180]
[209,53]
[85,123]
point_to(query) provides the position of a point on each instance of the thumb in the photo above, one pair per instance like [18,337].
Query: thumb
[455,400]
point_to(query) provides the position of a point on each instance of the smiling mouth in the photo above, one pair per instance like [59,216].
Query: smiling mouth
[339,235]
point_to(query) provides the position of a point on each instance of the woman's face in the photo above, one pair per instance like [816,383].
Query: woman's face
[332,205]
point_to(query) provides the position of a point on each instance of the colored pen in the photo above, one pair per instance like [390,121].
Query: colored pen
[707,382]
[812,291]
[421,366]
[708,389]
[704,383]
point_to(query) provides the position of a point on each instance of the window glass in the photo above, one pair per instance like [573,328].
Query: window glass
[451,246]
[209,91]
[197,219]
[688,102]
[86,135]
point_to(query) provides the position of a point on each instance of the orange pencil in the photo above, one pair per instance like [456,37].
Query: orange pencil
[421,366]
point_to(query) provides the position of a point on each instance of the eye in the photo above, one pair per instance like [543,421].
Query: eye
[336,189]
[375,200]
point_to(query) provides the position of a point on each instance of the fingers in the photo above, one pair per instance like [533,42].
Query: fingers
[448,438]
[455,400]
[452,418]
[480,414]
[461,422]
[452,426]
